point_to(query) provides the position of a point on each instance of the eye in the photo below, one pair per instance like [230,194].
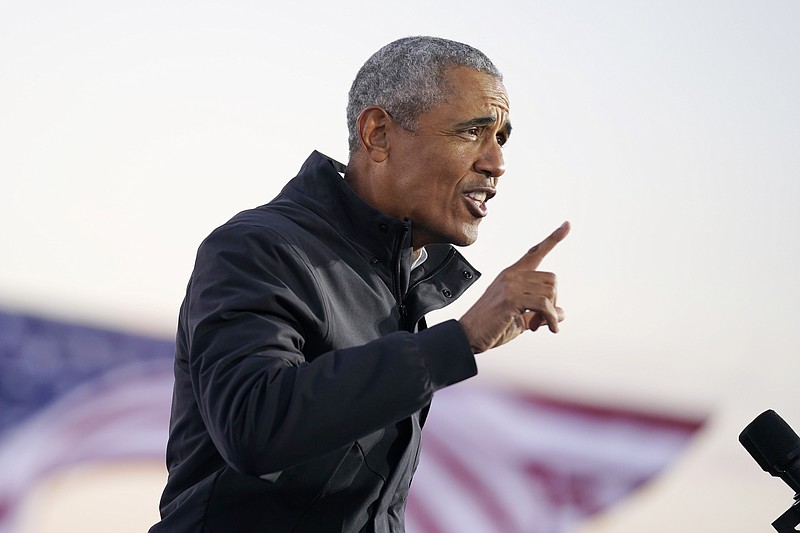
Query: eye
[474,133]
[502,139]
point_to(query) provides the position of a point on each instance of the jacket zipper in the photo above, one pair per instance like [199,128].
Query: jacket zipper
[403,308]
[401,305]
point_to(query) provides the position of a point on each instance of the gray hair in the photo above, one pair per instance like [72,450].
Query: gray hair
[405,78]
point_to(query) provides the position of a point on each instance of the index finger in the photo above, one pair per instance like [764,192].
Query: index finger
[535,255]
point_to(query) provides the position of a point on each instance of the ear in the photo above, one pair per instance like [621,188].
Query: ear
[372,126]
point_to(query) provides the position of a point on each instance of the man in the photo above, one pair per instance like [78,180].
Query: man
[304,367]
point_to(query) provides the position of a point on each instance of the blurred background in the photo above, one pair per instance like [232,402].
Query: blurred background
[668,133]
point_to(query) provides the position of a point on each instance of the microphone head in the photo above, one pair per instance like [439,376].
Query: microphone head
[774,446]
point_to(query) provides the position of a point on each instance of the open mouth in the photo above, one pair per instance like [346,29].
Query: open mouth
[476,202]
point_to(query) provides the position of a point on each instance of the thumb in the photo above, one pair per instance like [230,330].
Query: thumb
[534,320]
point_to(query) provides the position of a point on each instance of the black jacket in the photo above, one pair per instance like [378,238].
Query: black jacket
[300,389]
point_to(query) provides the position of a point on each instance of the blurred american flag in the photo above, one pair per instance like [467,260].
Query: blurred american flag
[493,460]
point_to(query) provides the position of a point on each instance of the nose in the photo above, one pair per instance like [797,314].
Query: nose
[490,161]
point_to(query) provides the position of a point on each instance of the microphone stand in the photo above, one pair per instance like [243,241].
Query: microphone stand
[786,522]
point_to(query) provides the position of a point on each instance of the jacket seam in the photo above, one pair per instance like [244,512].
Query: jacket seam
[309,269]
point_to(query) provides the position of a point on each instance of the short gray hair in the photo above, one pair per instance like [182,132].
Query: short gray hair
[406,76]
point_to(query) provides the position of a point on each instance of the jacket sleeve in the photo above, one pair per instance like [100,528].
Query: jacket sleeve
[250,308]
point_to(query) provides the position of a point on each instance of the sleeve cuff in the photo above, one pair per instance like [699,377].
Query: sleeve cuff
[447,354]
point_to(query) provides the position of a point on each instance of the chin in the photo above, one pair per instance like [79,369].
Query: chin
[466,238]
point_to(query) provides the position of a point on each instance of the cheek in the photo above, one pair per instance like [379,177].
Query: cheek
[441,175]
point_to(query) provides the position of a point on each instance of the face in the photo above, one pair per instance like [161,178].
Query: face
[442,175]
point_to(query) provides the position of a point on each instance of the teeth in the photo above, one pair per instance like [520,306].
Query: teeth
[478,196]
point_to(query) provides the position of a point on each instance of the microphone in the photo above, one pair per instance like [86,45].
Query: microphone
[776,449]
[774,446]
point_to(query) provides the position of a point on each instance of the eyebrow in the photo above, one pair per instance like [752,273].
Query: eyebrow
[480,122]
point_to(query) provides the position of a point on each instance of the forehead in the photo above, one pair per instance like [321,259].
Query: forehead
[470,89]
[471,98]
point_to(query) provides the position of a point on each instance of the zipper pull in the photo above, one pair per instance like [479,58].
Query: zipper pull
[403,316]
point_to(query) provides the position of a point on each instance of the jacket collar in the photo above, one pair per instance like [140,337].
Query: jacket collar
[320,187]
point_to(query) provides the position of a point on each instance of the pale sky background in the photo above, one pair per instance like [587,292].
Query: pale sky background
[667,132]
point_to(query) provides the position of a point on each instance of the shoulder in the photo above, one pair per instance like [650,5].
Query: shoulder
[261,227]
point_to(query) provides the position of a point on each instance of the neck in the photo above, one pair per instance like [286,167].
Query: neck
[366,181]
